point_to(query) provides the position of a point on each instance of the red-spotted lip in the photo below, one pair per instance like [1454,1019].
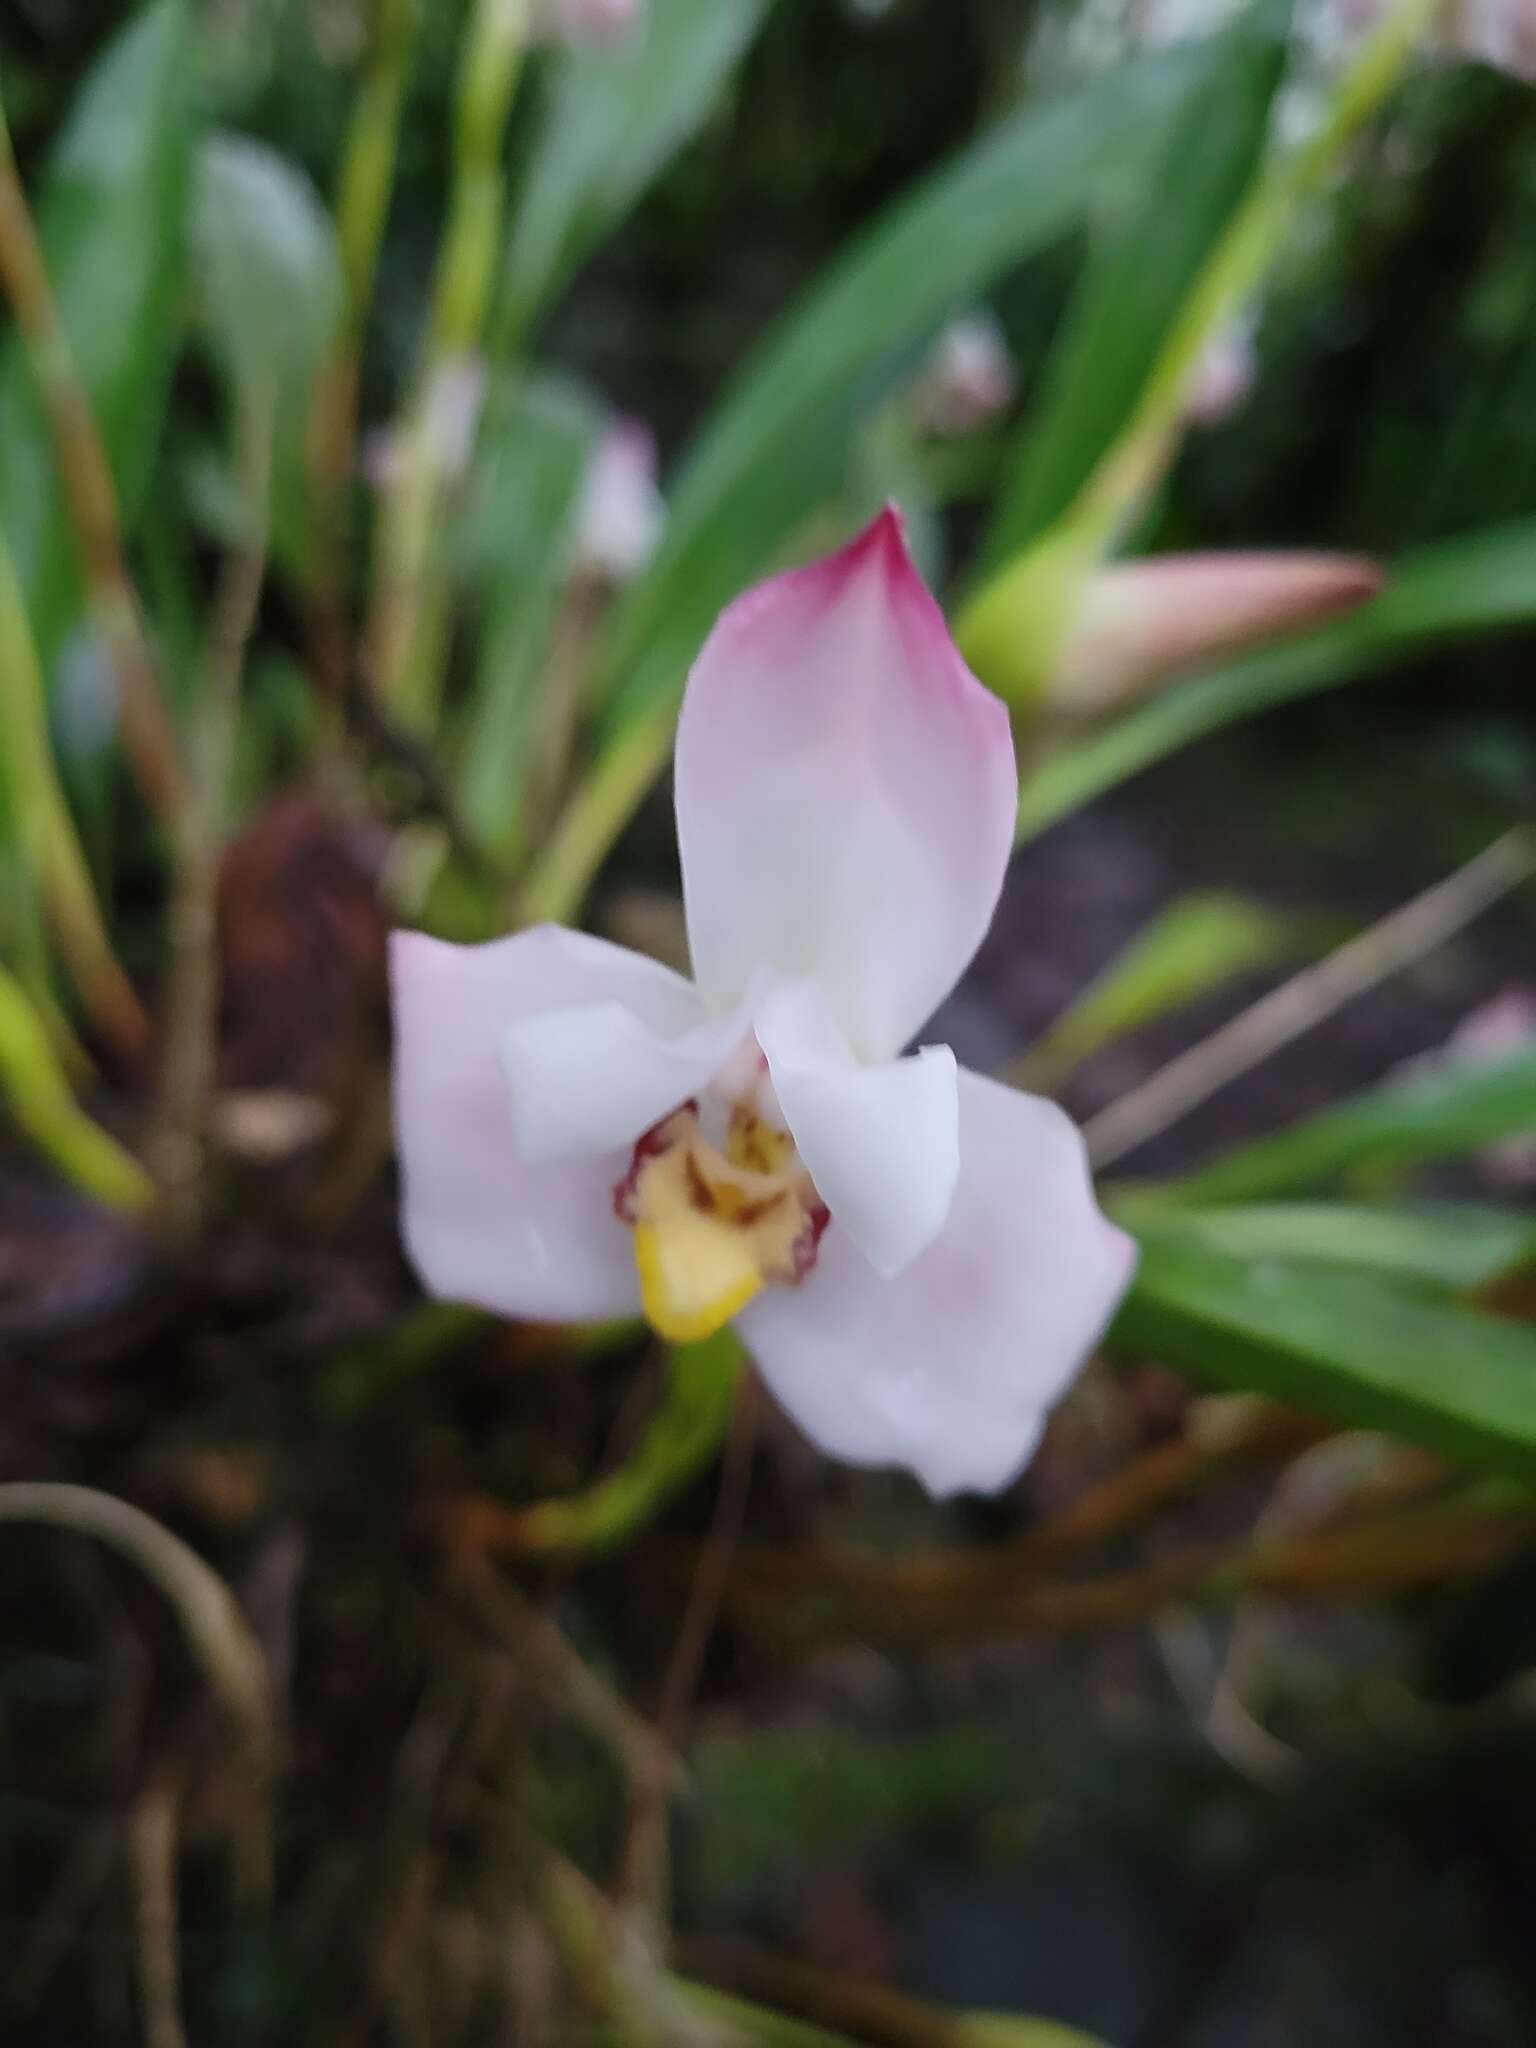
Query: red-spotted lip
[649,1145]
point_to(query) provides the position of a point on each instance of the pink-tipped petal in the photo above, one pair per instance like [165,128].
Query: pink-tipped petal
[845,794]
[480,1224]
[882,1143]
[1142,621]
[950,1369]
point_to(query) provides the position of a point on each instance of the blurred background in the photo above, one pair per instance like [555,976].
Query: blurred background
[1213,1731]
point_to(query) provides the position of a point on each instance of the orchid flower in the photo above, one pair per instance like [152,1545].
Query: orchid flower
[911,1252]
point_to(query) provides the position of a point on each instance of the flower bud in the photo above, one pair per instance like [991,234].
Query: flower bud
[1139,622]
[1223,377]
[968,378]
[1501,33]
[1494,1031]
[584,21]
[622,512]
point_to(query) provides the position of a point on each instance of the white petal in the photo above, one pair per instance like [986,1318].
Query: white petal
[585,1079]
[481,1225]
[949,1369]
[845,794]
[882,1143]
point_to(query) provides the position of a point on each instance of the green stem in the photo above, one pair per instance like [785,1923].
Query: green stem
[362,210]
[1043,581]
[408,631]
[603,804]
[44,1108]
[368,160]
[49,844]
[1013,627]
[682,1436]
[192,983]
[90,496]
[752,2024]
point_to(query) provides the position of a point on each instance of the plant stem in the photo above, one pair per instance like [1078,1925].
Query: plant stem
[362,210]
[751,2024]
[1012,628]
[153,1830]
[1381,951]
[44,1107]
[1384,1554]
[192,981]
[49,842]
[642,1874]
[679,1440]
[875,2013]
[612,791]
[1220,1430]
[408,627]
[215,1631]
[90,497]
[543,1653]
[602,805]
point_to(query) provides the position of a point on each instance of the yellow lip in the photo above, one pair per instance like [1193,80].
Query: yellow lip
[695,1274]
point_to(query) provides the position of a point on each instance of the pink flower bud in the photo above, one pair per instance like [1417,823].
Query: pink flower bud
[1142,621]
[1497,32]
[968,378]
[1223,377]
[1494,1030]
[584,21]
[622,512]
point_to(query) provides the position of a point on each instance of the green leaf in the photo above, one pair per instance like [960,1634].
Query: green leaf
[1005,2030]
[746,2024]
[1174,204]
[1478,583]
[1012,627]
[515,543]
[742,2024]
[1349,1345]
[777,447]
[268,273]
[1196,945]
[610,121]
[1455,1246]
[531,458]
[266,266]
[111,222]
[1449,1108]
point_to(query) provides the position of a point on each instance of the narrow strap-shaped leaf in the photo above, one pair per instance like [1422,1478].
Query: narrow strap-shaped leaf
[1449,1246]
[111,219]
[1350,1345]
[1450,1108]
[610,121]
[1145,263]
[777,446]
[1199,943]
